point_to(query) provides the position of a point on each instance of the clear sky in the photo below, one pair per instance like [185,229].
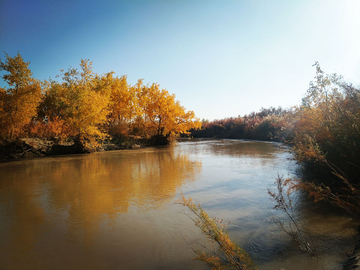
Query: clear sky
[220,58]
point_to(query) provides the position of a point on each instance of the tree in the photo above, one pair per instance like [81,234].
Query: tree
[165,115]
[123,106]
[81,101]
[20,99]
[327,136]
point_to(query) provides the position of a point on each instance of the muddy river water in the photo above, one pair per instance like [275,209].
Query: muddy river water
[117,210]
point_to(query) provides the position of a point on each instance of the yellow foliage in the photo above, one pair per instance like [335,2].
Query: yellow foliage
[81,101]
[20,100]
[86,106]
[123,103]
[148,110]
[165,114]
[230,255]
[52,129]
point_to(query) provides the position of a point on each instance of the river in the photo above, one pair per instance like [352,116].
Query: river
[118,210]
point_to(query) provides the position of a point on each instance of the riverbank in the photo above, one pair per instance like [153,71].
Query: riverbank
[36,147]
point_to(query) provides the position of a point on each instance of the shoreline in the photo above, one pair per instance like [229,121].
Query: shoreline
[22,148]
[35,147]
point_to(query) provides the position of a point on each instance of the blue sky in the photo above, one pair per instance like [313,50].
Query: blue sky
[220,58]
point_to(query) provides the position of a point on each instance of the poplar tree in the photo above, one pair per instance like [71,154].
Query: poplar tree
[19,100]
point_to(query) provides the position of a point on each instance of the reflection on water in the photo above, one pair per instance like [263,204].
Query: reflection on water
[116,210]
[242,148]
[76,194]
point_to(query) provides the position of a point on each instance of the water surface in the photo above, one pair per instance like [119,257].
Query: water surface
[116,210]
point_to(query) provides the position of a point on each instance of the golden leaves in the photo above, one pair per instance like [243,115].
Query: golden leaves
[149,110]
[229,255]
[86,106]
[20,100]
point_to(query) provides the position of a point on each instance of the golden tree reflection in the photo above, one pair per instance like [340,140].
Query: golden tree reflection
[74,195]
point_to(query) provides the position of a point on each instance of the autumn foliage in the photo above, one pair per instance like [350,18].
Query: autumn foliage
[327,139]
[227,255]
[327,123]
[324,131]
[19,102]
[86,107]
[269,124]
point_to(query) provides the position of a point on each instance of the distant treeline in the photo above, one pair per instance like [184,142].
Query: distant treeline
[324,127]
[324,131]
[268,124]
[86,107]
